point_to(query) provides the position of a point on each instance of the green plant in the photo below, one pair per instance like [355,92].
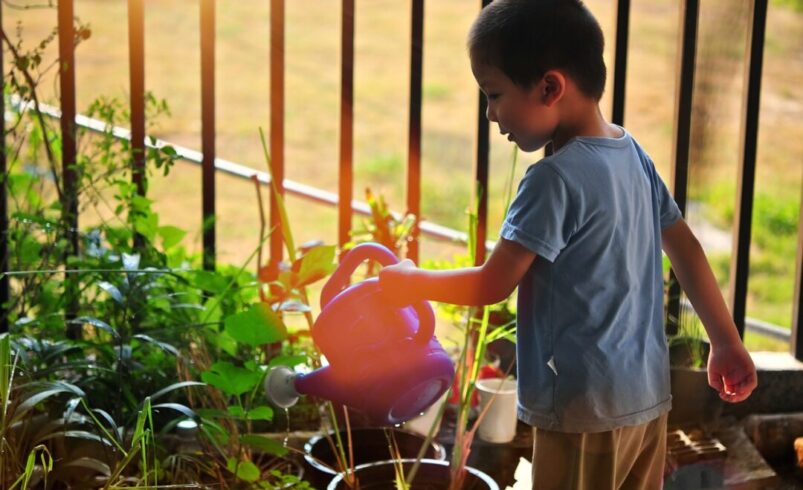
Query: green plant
[383,227]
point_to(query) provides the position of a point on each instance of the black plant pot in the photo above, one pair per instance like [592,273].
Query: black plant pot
[369,446]
[432,475]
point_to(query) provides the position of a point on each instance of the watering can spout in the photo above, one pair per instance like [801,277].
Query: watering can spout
[283,386]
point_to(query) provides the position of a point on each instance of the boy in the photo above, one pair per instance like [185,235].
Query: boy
[582,242]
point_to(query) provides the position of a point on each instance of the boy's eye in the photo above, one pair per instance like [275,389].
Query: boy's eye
[492,96]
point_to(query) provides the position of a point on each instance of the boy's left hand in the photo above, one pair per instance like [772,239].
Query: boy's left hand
[731,372]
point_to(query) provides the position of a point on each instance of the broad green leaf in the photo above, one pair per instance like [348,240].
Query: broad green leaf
[30,251]
[236,412]
[171,236]
[316,264]
[263,444]
[257,326]
[210,281]
[261,413]
[147,226]
[227,343]
[245,470]
[289,361]
[231,379]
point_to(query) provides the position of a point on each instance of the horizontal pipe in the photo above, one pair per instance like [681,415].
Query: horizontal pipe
[320,196]
[308,192]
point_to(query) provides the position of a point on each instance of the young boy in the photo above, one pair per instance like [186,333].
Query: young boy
[582,242]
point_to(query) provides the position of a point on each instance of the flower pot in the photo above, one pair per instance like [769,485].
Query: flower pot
[499,422]
[431,475]
[693,401]
[369,445]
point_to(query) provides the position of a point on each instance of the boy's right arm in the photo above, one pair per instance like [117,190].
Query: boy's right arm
[730,369]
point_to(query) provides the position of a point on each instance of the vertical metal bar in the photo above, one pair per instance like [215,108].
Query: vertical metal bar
[797,305]
[797,308]
[690,12]
[740,261]
[136,64]
[481,173]
[346,177]
[208,130]
[68,149]
[276,125]
[620,61]
[4,281]
[414,142]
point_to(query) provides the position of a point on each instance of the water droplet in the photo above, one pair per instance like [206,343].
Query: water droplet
[287,428]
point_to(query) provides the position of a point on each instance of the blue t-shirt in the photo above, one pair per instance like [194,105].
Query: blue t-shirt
[591,347]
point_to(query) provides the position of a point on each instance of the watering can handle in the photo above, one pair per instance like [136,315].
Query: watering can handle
[381,254]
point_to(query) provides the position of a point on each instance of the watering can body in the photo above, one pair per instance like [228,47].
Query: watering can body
[383,359]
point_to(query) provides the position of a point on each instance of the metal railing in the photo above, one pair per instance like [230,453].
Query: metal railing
[687,39]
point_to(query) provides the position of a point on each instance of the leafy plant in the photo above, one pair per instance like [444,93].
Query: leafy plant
[384,227]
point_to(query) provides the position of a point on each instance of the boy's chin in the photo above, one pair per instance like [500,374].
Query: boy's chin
[531,146]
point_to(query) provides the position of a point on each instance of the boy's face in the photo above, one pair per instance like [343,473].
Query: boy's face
[520,113]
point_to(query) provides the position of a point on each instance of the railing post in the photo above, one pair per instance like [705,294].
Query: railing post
[136,64]
[740,261]
[797,300]
[4,281]
[690,10]
[346,177]
[66,29]
[208,131]
[414,142]
[276,127]
[480,189]
[620,61]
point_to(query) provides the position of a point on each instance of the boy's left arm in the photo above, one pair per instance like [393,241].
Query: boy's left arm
[489,283]
[730,369]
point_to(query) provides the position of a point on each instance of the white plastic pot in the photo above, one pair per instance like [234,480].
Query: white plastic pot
[499,423]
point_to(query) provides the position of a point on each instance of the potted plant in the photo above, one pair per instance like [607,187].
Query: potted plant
[693,400]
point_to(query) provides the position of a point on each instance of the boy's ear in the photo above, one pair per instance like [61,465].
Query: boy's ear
[553,86]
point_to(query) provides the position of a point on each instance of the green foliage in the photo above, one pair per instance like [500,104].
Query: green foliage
[384,228]
[108,338]
[796,5]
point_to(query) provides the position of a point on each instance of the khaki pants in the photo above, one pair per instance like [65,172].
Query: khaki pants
[627,458]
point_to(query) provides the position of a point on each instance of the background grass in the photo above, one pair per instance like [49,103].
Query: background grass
[449,113]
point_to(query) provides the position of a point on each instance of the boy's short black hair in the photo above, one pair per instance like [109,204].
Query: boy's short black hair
[526,38]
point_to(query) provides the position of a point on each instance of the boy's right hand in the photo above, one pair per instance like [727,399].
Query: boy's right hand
[395,283]
[731,372]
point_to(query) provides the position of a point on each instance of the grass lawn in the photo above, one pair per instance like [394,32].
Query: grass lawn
[449,110]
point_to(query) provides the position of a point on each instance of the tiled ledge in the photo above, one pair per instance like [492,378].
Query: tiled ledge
[780,386]
[776,361]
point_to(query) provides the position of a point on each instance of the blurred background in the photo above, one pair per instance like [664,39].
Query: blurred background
[381,92]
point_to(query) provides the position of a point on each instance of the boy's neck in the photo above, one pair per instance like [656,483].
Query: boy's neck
[582,118]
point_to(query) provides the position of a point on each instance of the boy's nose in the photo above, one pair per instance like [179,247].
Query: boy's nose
[490,113]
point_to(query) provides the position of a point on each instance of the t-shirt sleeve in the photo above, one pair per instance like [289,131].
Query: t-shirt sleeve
[667,206]
[541,217]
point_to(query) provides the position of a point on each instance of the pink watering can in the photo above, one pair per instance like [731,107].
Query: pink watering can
[383,359]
